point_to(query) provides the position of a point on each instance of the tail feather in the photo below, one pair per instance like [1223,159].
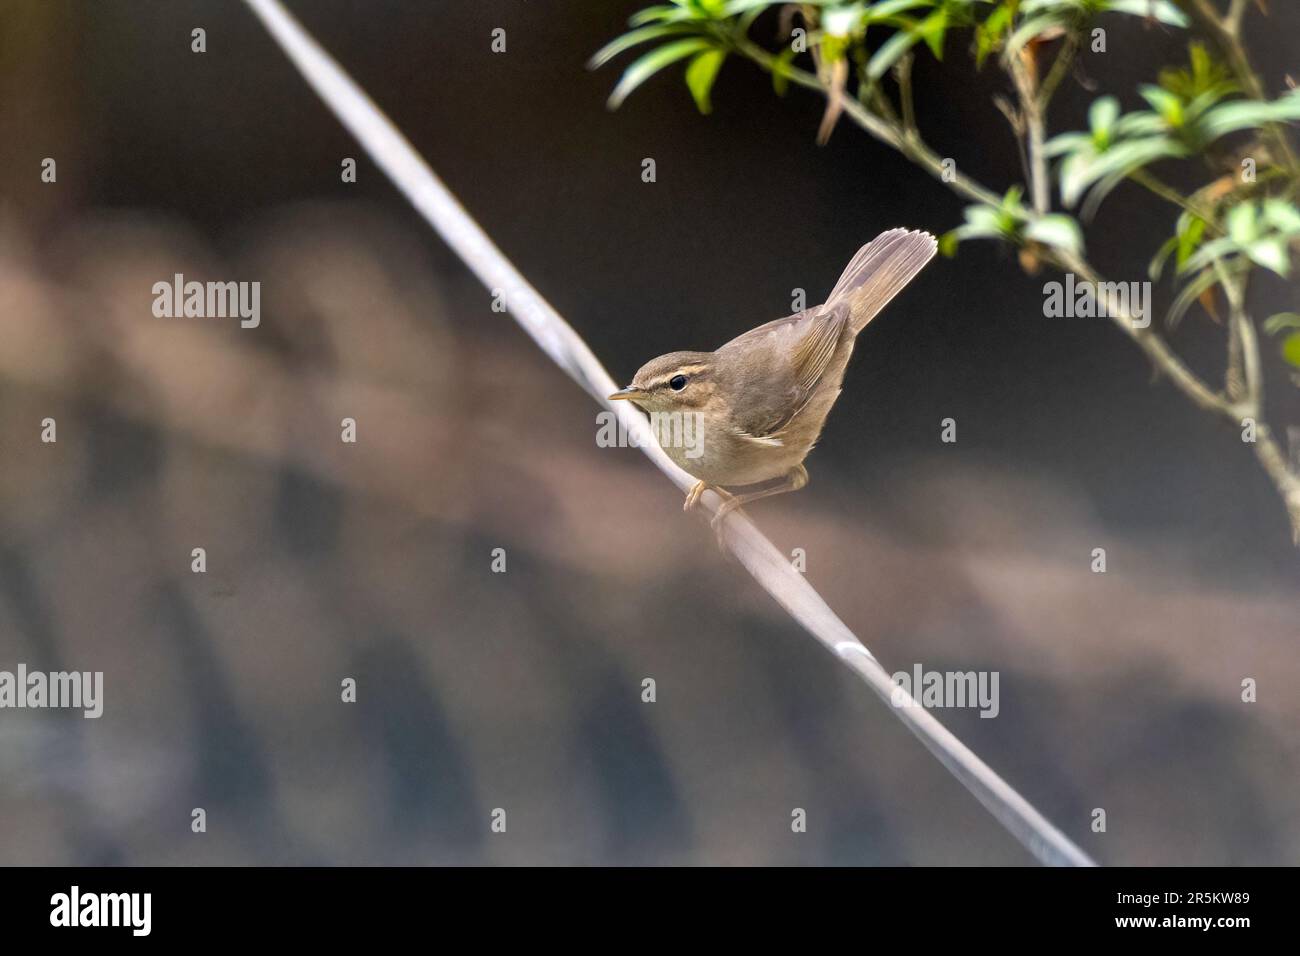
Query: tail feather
[879,271]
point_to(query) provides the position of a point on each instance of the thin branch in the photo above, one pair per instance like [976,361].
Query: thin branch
[1020,65]
[1017,124]
[1062,65]
[1234,376]
[1158,187]
[1245,332]
[1271,456]
[1242,331]
[1035,99]
[409,172]
[1232,22]
[1156,348]
[903,73]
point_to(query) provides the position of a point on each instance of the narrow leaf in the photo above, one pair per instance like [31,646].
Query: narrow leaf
[628,40]
[652,63]
[700,74]
[1057,230]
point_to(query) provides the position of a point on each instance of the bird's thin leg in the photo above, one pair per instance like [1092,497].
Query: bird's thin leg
[697,491]
[795,479]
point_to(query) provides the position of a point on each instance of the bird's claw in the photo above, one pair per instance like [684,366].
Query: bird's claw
[718,521]
[693,496]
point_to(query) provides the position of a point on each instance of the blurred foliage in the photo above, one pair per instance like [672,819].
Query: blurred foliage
[1242,218]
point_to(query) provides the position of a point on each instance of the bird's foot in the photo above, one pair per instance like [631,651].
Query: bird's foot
[716,522]
[693,496]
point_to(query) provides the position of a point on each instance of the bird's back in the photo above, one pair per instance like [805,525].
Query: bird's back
[786,374]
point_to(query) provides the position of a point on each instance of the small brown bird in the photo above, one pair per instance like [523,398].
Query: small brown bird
[761,400]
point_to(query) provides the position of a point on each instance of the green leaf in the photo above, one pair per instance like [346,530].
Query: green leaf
[1271,253]
[932,30]
[1291,349]
[1140,123]
[1056,230]
[1190,234]
[1283,320]
[1099,191]
[1282,216]
[983,217]
[745,6]
[630,39]
[1038,6]
[1189,294]
[657,14]
[982,222]
[1162,10]
[949,240]
[887,9]
[781,71]
[1080,170]
[1166,104]
[1248,114]
[1066,143]
[890,52]
[1206,78]
[1157,265]
[1205,255]
[650,64]
[990,33]
[841,21]
[700,74]
[1034,26]
[1101,119]
[1241,223]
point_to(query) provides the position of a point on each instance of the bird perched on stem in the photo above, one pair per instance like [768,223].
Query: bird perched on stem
[761,400]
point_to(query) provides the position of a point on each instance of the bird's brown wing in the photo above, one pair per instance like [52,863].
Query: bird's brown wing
[778,365]
[817,345]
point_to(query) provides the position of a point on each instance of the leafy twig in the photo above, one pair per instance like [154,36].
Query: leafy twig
[1157,350]
[1226,34]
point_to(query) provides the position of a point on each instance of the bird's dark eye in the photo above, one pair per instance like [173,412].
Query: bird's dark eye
[677,383]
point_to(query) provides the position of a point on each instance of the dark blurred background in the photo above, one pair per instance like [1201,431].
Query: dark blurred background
[522,690]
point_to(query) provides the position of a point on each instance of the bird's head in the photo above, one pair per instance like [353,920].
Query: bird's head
[672,382]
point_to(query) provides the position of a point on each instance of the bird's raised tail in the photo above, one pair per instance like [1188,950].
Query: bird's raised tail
[879,271]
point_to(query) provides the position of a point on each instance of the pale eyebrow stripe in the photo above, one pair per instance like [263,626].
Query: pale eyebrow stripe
[684,370]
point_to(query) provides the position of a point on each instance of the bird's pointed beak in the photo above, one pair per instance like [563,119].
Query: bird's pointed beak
[630,392]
